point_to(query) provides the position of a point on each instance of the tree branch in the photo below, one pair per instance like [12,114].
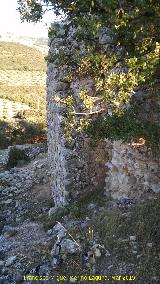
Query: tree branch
[87,114]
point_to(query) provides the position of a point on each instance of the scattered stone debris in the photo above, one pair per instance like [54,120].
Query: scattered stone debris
[29,248]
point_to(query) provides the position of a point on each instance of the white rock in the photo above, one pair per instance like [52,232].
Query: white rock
[56,249]
[88,265]
[10,260]
[155,187]
[1,262]
[8,201]
[49,232]
[107,253]
[97,252]
[149,245]
[69,246]
[132,238]
[134,251]
[54,262]
[91,206]
[59,230]
[51,211]
[135,247]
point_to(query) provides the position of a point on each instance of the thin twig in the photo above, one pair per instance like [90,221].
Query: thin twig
[68,233]
[89,113]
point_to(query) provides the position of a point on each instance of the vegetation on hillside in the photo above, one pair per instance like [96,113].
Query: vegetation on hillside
[28,95]
[16,56]
[15,156]
[42,41]
[131,60]
[27,126]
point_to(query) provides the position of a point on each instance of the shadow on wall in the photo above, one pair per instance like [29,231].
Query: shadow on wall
[21,132]
[137,124]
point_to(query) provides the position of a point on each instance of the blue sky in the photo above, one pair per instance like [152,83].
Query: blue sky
[10,21]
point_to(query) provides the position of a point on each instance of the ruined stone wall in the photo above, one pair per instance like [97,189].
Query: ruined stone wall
[84,166]
[134,171]
[78,168]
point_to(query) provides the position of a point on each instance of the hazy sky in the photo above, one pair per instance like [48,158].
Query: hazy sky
[10,21]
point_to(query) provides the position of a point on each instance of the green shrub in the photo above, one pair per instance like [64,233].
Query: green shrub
[20,131]
[5,137]
[129,125]
[28,95]
[16,156]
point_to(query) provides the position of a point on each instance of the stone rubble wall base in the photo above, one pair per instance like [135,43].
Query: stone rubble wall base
[31,150]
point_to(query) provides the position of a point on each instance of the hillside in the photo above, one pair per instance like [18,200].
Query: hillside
[40,44]
[15,56]
[22,80]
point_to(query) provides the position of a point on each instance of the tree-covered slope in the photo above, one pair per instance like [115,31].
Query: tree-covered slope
[15,56]
[22,80]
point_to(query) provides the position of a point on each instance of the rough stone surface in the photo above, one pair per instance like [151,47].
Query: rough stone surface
[78,168]
[27,207]
[133,171]
[30,150]
[25,197]
[26,240]
[18,182]
[10,260]
[126,171]
[69,246]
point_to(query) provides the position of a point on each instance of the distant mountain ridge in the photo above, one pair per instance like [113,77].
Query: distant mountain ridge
[40,43]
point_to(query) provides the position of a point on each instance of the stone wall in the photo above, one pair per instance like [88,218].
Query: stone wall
[78,168]
[23,178]
[31,150]
[133,171]
[84,166]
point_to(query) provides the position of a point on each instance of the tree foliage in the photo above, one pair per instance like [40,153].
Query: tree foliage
[130,60]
